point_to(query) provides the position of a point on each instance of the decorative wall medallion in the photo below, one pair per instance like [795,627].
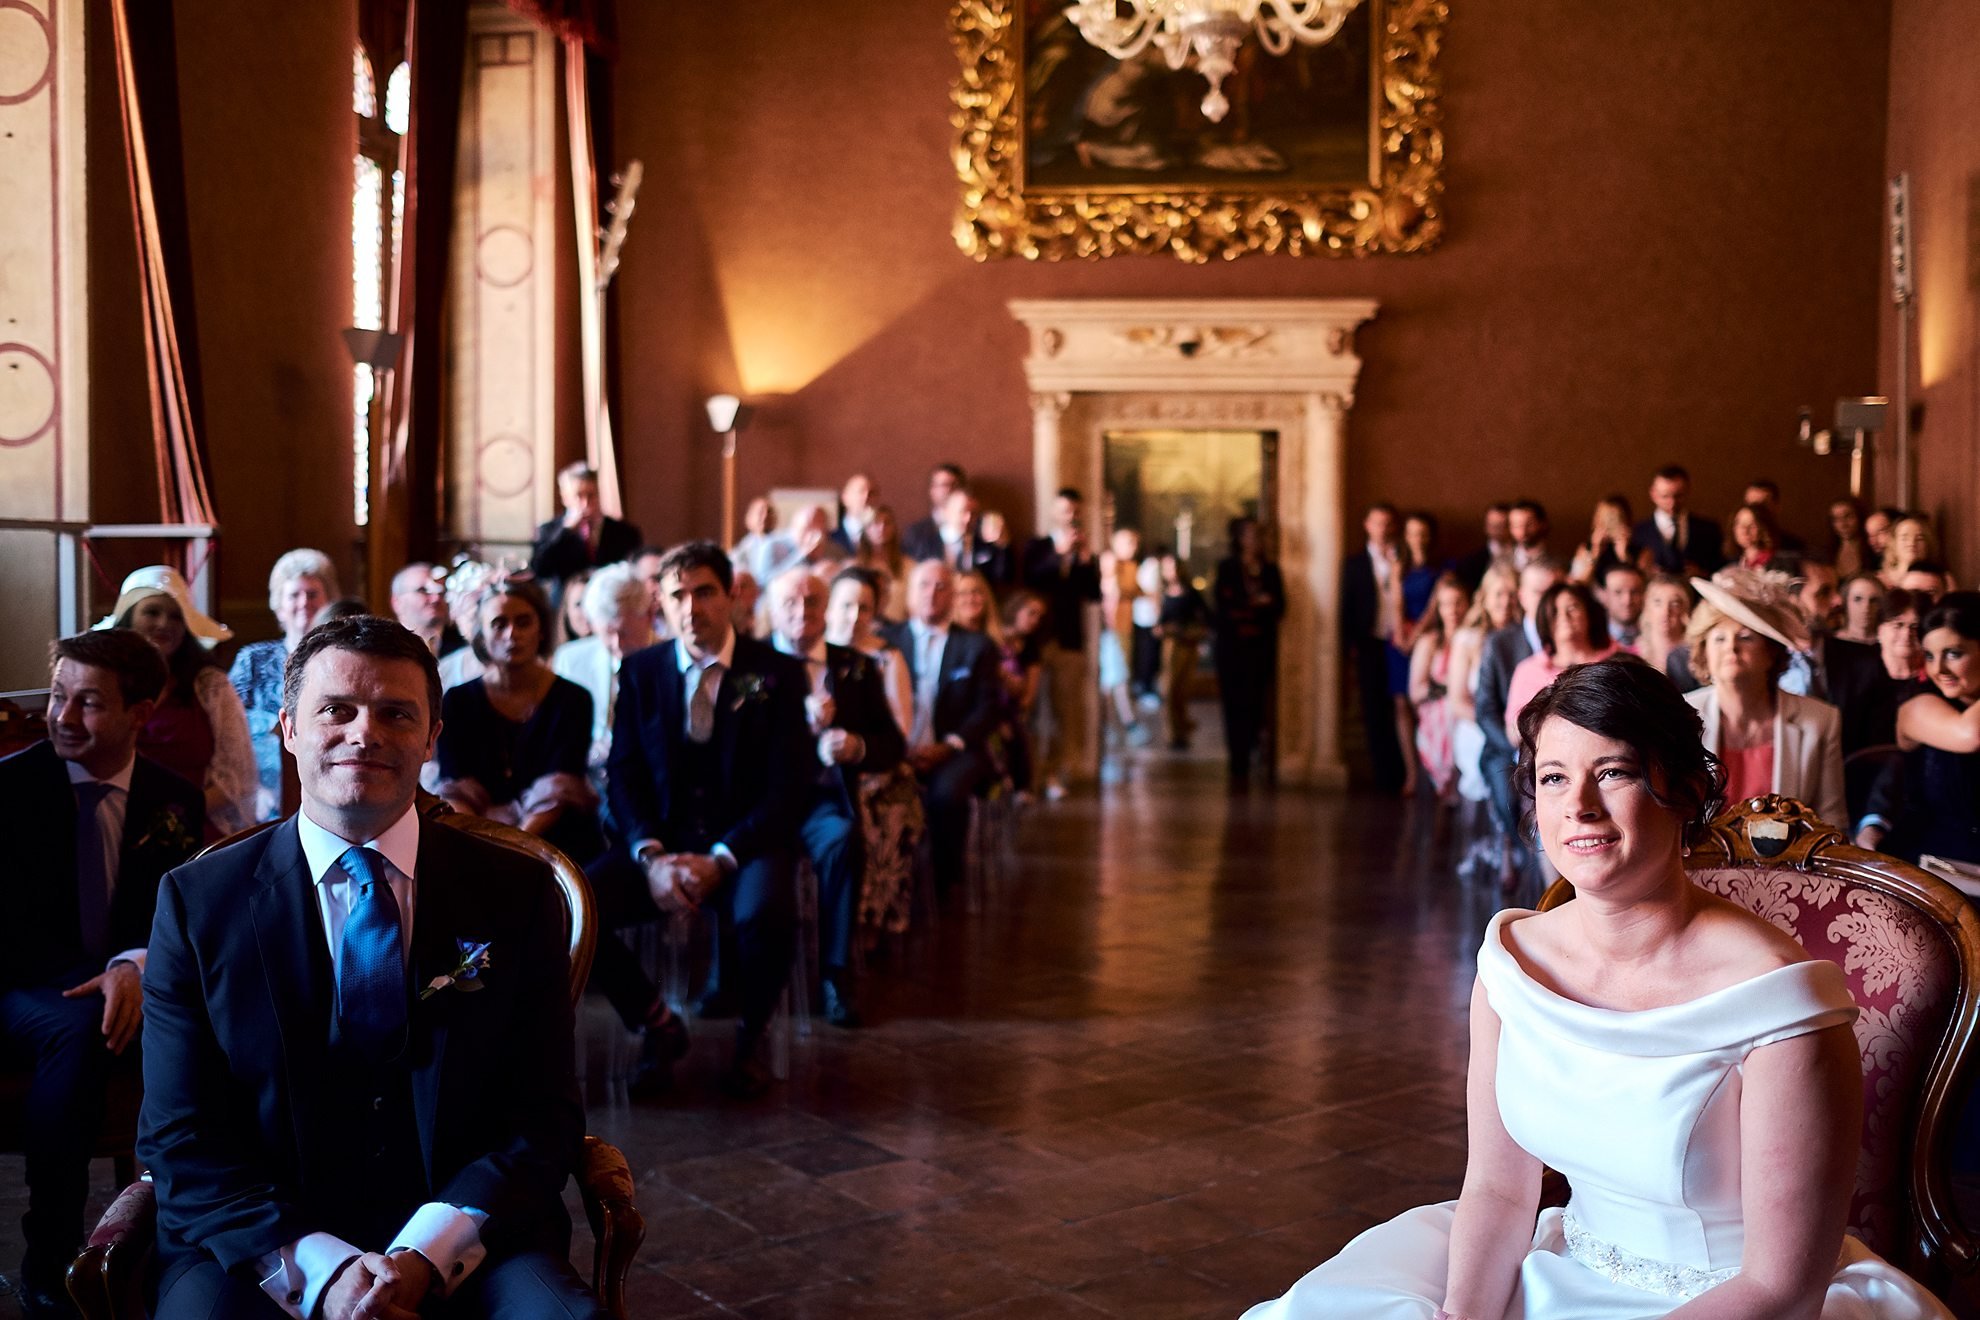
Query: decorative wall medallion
[28,395]
[1064,155]
[1199,341]
[508,465]
[27,52]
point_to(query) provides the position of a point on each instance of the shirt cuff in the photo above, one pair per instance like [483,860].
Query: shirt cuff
[1873,819]
[448,1236]
[824,757]
[725,859]
[135,957]
[638,844]
[295,1277]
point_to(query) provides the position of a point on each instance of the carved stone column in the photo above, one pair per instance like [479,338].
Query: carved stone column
[1325,519]
[1047,408]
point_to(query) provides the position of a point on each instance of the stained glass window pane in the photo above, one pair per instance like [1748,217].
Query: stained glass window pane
[398,99]
[364,88]
[361,393]
[367,245]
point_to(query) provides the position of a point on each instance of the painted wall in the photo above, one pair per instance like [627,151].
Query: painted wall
[1935,137]
[1663,240]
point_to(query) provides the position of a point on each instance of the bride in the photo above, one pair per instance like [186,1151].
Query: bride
[1688,1067]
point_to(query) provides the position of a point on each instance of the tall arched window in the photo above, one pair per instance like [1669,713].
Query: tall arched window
[376,210]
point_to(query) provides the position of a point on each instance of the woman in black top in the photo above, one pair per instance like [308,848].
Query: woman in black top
[1938,811]
[514,742]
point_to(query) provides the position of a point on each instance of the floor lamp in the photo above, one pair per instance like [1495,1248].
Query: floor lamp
[725,416]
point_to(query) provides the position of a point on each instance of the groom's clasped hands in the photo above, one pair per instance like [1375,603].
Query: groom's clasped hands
[376,1286]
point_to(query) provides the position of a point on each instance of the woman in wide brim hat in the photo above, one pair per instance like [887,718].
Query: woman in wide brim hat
[1742,635]
[199,729]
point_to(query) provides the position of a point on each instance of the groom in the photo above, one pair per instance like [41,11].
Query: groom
[326,1139]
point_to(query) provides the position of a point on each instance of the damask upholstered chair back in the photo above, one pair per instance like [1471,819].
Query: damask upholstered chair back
[1909,946]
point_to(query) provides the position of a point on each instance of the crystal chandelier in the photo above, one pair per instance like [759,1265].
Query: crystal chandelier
[1210,31]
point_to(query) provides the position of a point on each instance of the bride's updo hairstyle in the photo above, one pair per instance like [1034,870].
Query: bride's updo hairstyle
[1627,700]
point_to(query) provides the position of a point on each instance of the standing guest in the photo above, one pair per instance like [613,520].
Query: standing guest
[584,537]
[812,546]
[515,743]
[923,539]
[855,512]
[1676,540]
[955,710]
[1498,545]
[891,815]
[1862,608]
[1120,587]
[1765,494]
[1666,616]
[1063,571]
[975,605]
[1573,631]
[1249,597]
[1937,807]
[1528,526]
[419,602]
[312,1156]
[762,547]
[1910,542]
[963,545]
[94,826]
[1877,525]
[880,553]
[1503,653]
[616,606]
[1607,544]
[1868,685]
[301,583]
[708,782]
[1495,606]
[1421,568]
[1770,741]
[198,727]
[1621,590]
[572,623]
[1430,682]
[847,714]
[1371,603]
[1849,549]
[1145,667]
[995,559]
[1021,670]
[1181,626]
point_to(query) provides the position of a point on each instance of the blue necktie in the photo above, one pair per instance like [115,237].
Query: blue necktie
[371,968]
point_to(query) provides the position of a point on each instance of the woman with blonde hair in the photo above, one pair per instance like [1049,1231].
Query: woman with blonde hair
[302,582]
[1911,541]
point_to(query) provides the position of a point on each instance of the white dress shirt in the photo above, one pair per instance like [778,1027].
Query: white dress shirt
[295,1277]
[1388,597]
[929,644]
[816,668]
[1672,527]
[110,816]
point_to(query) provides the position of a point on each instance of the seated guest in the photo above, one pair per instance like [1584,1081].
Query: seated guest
[856,735]
[811,546]
[572,625]
[1495,606]
[762,547]
[1607,544]
[1849,550]
[419,602]
[1754,542]
[1504,651]
[1868,685]
[1676,540]
[584,537]
[975,606]
[955,710]
[1926,577]
[1529,526]
[1877,525]
[746,602]
[465,585]
[1862,603]
[1910,540]
[880,553]
[198,729]
[1935,808]
[515,743]
[344,607]
[1021,667]
[1762,493]
[290,1099]
[1771,741]
[1430,682]
[855,512]
[615,605]
[1621,589]
[301,583]
[94,826]
[923,539]
[1820,603]
[1573,631]
[891,814]
[975,610]
[708,779]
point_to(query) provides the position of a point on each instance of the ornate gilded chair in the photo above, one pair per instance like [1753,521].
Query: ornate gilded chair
[107,1280]
[1909,945]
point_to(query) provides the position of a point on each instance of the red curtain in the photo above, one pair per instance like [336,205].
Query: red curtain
[148,97]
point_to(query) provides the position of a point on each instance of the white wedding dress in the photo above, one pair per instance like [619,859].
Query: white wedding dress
[1641,1111]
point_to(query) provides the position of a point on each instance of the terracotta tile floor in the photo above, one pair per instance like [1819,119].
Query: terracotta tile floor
[1188,1047]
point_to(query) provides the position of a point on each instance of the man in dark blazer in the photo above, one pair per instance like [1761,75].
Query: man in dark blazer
[708,774]
[584,537]
[954,672]
[922,539]
[856,735]
[93,828]
[331,1118]
[1062,569]
[1371,598]
[1677,540]
[1503,651]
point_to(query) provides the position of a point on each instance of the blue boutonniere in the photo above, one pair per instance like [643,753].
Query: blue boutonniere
[750,688]
[467,972]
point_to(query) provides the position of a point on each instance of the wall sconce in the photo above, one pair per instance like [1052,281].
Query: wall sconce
[727,416]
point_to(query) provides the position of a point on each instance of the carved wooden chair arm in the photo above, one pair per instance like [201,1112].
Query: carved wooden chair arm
[106,1281]
[605,1181]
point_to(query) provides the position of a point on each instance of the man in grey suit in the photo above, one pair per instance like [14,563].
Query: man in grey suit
[1504,650]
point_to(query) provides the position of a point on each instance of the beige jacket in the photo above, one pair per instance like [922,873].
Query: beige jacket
[1807,750]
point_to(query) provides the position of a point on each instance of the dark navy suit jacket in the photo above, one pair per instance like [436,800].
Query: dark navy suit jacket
[237,1128]
[966,694]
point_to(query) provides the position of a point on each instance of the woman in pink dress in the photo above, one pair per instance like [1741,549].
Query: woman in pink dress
[1574,630]
[1430,680]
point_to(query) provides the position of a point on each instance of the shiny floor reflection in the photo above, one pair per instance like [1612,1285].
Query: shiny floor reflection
[1189,1046]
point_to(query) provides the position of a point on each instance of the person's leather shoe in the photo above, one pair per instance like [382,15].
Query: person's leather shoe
[840,1010]
[748,1077]
[659,1049]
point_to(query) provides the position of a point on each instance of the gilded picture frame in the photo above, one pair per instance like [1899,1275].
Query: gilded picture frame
[1395,206]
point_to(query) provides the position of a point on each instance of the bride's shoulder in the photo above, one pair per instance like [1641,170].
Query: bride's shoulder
[1736,945]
